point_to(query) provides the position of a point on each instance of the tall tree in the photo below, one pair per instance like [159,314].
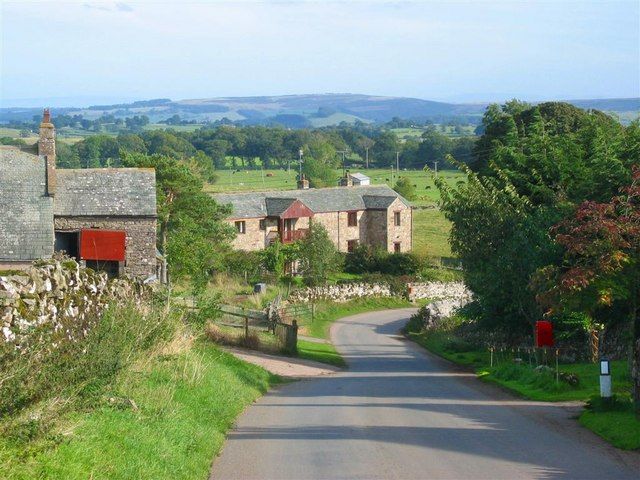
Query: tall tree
[192,233]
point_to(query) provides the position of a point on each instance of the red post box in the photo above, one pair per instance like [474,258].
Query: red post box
[544,334]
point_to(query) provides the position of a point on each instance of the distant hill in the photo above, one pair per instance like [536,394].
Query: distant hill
[305,110]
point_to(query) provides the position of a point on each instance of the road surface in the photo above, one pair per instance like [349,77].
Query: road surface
[400,413]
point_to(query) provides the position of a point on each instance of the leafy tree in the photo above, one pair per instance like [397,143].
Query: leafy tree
[318,255]
[405,188]
[193,235]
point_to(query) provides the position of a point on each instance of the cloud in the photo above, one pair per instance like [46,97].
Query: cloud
[104,8]
[118,6]
[123,7]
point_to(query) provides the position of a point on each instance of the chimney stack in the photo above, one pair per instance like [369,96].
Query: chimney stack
[303,183]
[47,148]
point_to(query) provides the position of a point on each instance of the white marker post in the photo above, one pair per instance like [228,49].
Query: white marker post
[605,379]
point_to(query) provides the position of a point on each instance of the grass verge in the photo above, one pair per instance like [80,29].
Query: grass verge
[320,352]
[164,417]
[615,422]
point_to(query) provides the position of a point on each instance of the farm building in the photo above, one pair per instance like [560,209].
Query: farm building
[369,215]
[105,217]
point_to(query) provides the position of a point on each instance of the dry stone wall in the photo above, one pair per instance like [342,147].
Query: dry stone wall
[57,297]
[415,291]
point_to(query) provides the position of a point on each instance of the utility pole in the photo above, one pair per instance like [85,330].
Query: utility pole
[300,152]
[435,163]
[397,163]
[343,152]
[366,149]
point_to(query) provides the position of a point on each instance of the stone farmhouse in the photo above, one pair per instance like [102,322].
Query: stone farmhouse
[372,215]
[104,217]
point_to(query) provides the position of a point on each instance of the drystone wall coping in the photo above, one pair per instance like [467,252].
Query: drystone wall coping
[59,296]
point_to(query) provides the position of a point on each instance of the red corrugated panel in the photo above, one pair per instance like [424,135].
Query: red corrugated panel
[544,334]
[297,209]
[98,244]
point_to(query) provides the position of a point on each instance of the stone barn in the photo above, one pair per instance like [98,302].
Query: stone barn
[103,217]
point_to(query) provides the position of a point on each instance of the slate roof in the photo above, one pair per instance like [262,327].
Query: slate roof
[105,192]
[276,206]
[26,212]
[337,199]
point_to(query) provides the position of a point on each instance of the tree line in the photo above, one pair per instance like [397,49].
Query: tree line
[322,150]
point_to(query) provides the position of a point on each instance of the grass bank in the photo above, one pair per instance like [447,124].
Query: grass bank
[320,352]
[617,425]
[141,405]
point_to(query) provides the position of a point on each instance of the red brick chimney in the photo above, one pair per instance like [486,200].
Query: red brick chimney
[47,148]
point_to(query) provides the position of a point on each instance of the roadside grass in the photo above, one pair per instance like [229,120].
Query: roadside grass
[618,424]
[320,352]
[164,417]
[522,379]
[328,312]
[266,342]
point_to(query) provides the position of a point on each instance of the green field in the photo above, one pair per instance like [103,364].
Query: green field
[278,179]
[416,132]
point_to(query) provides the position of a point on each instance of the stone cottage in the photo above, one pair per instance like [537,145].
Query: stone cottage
[104,217]
[372,215]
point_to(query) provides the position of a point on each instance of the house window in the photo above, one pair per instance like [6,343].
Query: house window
[241,227]
[351,245]
[396,247]
[263,224]
[352,219]
[396,219]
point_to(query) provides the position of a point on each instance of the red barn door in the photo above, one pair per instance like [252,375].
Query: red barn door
[96,244]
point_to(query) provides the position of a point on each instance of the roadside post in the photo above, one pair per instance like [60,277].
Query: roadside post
[605,378]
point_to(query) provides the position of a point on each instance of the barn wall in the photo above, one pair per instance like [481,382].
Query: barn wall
[140,260]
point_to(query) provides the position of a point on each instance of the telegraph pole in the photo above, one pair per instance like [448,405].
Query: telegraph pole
[366,149]
[300,152]
[343,152]
[435,163]
[397,163]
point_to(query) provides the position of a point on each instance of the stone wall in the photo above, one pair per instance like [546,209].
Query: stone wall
[253,238]
[140,259]
[348,291]
[401,233]
[59,298]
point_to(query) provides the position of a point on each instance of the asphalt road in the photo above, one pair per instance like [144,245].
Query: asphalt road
[400,413]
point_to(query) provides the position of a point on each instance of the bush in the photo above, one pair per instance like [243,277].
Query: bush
[207,309]
[405,188]
[246,265]
[364,259]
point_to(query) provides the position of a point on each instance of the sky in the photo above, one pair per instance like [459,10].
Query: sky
[87,52]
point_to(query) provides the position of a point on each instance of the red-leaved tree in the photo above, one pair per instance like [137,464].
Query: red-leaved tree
[602,259]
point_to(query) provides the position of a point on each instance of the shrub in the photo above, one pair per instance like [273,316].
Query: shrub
[405,188]
[207,309]
[367,260]
[247,265]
